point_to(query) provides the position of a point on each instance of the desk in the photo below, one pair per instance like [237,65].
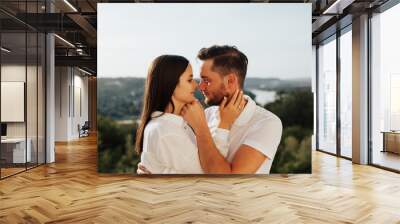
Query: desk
[391,141]
[13,150]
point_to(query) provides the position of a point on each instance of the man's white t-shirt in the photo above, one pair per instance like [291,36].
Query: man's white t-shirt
[255,127]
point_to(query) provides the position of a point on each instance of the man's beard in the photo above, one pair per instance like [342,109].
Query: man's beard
[215,101]
[217,97]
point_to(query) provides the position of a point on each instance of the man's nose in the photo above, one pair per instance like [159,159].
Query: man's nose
[202,86]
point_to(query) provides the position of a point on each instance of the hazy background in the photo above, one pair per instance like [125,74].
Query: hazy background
[276,38]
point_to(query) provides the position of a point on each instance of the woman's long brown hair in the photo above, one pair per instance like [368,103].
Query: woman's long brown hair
[162,79]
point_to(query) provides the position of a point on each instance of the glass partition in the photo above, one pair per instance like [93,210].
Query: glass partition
[14,153]
[32,95]
[346,94]
[41,87]
[22,88]
[327,96]
[385,89]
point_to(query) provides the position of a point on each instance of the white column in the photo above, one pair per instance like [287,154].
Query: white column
[50,92]
[360,90]
[50,99]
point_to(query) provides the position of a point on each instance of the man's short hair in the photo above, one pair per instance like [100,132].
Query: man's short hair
[226,59]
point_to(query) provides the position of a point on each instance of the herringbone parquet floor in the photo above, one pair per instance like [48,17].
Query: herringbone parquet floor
[71,191]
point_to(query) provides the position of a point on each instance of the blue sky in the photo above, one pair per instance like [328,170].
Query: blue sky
[275,37]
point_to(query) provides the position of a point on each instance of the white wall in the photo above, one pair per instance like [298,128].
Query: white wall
[71,94]
[62,81]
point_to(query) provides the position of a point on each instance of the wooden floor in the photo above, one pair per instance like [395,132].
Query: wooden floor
[71,191]
[10,171]
[387,159]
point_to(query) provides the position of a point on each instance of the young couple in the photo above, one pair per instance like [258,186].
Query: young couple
[177,136]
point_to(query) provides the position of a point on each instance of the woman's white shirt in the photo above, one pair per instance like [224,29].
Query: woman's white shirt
[169,145]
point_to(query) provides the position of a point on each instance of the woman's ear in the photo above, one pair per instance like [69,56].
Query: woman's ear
[173,99]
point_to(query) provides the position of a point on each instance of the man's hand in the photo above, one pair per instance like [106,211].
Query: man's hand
[230,111]
[193,114]
[142,169]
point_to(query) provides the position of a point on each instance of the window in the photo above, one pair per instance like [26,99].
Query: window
[346,94]
[385,89]
[327,96]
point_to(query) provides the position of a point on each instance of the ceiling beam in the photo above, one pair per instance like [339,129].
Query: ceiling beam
[83,61]
[85,25]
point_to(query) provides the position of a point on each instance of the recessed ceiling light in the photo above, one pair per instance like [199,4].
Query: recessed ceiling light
[5,50]
[64,40]
[70,5]
[84,71]
[338,6]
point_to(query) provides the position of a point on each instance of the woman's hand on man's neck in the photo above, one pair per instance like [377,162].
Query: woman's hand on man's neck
[176,109]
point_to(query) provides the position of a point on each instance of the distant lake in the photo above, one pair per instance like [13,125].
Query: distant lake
[263,96]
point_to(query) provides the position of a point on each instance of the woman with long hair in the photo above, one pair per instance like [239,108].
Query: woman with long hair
[166,143]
